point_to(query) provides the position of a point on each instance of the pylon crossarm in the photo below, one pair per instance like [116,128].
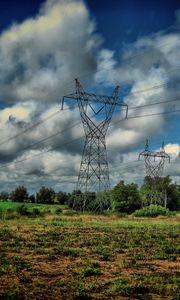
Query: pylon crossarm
[146,154]
[95,98]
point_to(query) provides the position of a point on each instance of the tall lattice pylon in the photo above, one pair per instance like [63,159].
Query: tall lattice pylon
[94,173]
[154,165]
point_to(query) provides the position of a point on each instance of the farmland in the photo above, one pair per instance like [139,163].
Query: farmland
[84,256]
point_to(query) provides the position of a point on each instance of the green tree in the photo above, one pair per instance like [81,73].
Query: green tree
[167,192]
[4,195]
[20,194]
[32,199]
[61,197]
[45,195]
[125,197]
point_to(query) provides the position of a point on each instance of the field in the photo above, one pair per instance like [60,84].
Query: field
[69,256]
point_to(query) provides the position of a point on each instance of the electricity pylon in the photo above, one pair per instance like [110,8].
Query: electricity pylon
[94,172]
[154,165]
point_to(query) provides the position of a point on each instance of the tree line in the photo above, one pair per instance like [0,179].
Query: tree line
[45,195]
[124,198]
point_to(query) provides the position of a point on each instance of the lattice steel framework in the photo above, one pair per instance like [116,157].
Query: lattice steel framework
[94,172]
[154,165]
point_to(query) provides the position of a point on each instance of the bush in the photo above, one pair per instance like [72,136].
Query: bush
[58,211]
[23,210]
[36,211]
[153,211]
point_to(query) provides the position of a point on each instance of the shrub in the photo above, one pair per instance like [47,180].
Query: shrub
[153,211]
[58,211]
[36,211]
[23,210]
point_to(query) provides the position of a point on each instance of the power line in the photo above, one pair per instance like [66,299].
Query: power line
[54,114]
[150,88]
[32,126]
[43,140]
[39,154]
[64,144]
[149,104]
[155,103]
[78,123]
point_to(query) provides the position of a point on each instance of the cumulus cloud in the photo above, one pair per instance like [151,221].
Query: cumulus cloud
[39,56]
[39,59]
[172,148]
[147,73]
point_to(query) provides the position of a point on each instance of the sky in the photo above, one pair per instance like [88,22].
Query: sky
[44,45]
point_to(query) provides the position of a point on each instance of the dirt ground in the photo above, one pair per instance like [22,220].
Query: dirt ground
[90,257]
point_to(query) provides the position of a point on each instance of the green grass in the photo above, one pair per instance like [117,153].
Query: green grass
[4,206]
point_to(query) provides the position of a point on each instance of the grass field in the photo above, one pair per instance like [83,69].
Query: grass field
[5,205]
[89,257]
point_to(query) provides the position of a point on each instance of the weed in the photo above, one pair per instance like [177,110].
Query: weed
[4,264]
[176,296]
[104,253]
[82,293]
[13,292]
[139,256]
[120,285]
[5,234]
[93,269]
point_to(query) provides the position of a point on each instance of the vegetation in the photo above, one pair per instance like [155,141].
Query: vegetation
[45,195]
[51,251]
[14,210]
[124,198]
[20,194]
[153,211]
[84,256]
[170,197]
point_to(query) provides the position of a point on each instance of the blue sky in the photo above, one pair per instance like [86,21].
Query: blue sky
[118,21]
[124,21]
[44,45]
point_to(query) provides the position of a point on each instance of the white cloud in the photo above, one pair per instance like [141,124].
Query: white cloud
[39,59]
[39,56]
[172,148]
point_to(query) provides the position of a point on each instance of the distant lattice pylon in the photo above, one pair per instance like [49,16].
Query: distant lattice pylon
[154,165]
